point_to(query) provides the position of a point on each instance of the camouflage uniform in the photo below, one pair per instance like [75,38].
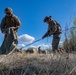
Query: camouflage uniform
[10,38]
[53,30]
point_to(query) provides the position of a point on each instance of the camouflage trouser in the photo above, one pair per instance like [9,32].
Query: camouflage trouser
[10,41]
[55,42]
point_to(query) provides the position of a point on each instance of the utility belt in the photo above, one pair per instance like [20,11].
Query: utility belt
[57,33]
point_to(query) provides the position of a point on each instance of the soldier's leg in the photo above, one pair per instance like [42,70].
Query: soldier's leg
[3,46]
[54,46]
[55,43]
[11,40]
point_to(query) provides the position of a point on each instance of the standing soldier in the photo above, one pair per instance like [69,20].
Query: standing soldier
[9,27]
[53,29]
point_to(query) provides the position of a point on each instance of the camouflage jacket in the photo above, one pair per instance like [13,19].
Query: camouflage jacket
[53,29]
[12,21]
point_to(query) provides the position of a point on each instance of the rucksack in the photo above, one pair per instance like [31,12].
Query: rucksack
[58,26]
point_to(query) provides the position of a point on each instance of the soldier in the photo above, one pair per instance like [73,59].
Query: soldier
[39,49]
[9,27]
[53,29]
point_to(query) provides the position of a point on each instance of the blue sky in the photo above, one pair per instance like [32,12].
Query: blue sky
[32,13]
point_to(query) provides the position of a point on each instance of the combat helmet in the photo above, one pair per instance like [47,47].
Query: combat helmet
[47,18]
[8,10]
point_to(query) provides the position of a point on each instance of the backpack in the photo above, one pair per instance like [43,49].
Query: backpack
[58,26]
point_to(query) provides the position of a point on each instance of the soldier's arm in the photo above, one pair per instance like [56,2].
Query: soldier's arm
[17,23]
[46,34]
[2,26]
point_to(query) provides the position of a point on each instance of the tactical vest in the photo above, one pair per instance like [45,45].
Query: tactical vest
[10,21]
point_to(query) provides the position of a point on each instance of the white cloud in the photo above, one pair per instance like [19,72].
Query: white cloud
[43,46]
[61,44]
[33,46]
[25,38]
[21,45]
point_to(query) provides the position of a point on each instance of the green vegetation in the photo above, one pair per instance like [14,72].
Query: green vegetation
[70,40]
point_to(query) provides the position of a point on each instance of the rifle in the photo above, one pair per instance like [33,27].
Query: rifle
[47,34]
[30,43]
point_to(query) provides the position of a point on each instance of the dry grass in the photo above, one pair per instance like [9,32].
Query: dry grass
[38,64]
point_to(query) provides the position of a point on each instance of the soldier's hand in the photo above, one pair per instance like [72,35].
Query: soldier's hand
[4,32]
[14,27]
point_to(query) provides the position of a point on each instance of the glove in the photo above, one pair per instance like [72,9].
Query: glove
[5,30]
